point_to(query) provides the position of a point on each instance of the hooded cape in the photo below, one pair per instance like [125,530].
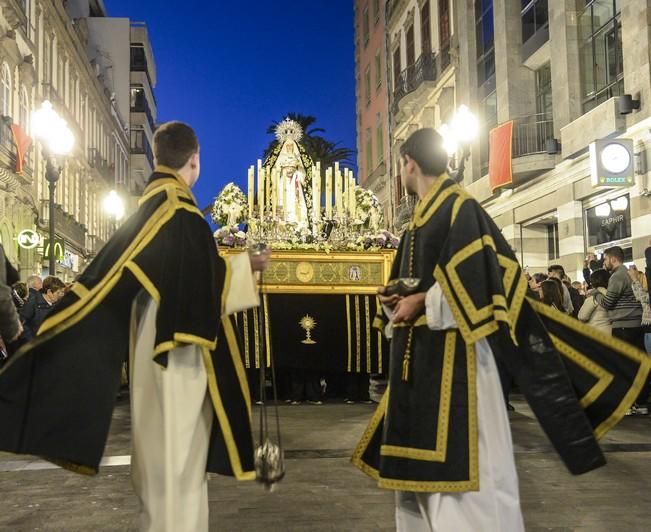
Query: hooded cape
[58,391]
[578,381]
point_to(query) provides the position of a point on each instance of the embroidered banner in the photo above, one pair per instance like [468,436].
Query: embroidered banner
[23,142]
[500,167]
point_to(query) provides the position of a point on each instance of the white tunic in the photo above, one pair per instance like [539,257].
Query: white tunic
[496,506]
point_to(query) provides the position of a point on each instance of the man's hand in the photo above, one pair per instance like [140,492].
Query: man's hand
[260,261]
[388,301]
[409,307]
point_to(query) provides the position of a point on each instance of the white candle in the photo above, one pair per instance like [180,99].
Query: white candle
[316,177]
[338,202]
[251,190]
[352,201]
[260,190]
[274,192]
[328,197]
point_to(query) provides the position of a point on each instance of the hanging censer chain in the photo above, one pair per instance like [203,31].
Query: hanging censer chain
[269,457]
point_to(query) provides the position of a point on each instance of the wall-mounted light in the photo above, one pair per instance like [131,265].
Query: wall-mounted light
[627,104]
[552,146]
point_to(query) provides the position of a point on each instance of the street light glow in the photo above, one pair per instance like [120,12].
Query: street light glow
[52,130]
[113,205]
[450,140]
[465,125]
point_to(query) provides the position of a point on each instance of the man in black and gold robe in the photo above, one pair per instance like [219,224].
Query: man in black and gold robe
[440,437]
[159,293]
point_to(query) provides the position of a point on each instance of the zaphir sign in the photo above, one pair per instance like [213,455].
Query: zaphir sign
[612,163]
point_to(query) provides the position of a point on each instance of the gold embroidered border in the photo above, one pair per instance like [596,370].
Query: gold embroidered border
[440,452]
[256,337]
[367,309]
[224,423]
[350,343]
[472,484]
[604,378]
[379,352]
[236,356]
[616,344]
[358,336]
[144,280]
[266,329]
[245,322]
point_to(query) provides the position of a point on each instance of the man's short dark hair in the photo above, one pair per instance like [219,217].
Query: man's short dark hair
[53,284]
[556,268]
[599,278]
[174,144]
[425,146]
[616,253]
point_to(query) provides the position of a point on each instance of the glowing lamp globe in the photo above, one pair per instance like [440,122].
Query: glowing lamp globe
[465,125]
[52,130]
[113,205]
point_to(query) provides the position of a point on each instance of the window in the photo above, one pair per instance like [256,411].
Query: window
[544,92]
[376,11]
[444,23]
[411,47]
[6,90]
[553,251]
[602,64]
[535,17]
[484,33]
[140,144]
[396,67]
[378,70]
[369,153]
[425,29]
[23,112]
[365,27]
[489,121]
[139,103]
[379,142]
[60,75]
[367,84]
[47,60]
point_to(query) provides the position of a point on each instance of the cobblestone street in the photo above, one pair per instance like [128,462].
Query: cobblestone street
[322,491]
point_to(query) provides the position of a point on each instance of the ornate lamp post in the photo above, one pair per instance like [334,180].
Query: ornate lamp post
[57,140]
[457,137]
[114,206]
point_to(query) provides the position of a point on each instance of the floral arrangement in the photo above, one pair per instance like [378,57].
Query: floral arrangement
[369,210]
[230,207]
[230,237]
[382,240]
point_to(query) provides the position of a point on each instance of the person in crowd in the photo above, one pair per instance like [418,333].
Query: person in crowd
[625,312]
[159,291]
[638,284]
[647,277]
[470,309]
[10,326]
[39,304]
[579,287]
[550,294]
[591,312]
[534,283]
[575,296]
[558,272]
[34,285]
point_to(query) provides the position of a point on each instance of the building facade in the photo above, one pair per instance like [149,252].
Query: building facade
[372,95]
[420,36]
[47,53]
[556,71]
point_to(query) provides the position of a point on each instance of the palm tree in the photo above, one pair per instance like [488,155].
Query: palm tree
[316,146]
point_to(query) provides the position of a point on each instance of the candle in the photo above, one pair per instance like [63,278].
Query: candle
[251,190]
[352,201]
[267,188]
[317,180]
[328,197]
[260,190]
[274,192]
[337,189]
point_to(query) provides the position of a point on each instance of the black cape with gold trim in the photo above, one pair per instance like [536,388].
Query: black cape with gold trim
[578,381]
[58,392]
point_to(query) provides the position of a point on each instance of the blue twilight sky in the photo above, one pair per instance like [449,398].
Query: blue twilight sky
[230,68]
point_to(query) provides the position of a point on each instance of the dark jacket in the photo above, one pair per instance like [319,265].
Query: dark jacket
[9,323]
[34,312]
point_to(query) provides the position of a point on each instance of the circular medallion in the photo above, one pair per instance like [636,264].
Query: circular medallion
[304,272]
[615,158]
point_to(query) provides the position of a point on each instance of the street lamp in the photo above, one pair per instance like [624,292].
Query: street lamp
[57,140]
[113,205]
[457,136]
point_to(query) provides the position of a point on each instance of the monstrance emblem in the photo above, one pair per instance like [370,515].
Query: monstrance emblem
[308,323]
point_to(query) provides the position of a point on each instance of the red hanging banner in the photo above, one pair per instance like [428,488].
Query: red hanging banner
[500,161]
[23,142]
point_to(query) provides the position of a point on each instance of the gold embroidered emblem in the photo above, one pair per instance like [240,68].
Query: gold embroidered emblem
[308,323]
[304,272]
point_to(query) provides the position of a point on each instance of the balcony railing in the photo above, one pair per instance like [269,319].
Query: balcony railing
[429,67]
[530,134]
[106,170]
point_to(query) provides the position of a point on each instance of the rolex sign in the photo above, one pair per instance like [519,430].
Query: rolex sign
[612,163]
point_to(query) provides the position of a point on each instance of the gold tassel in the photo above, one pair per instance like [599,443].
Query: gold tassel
[407,356]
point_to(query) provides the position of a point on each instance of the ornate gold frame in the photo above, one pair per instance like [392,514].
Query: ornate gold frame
[318,272]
